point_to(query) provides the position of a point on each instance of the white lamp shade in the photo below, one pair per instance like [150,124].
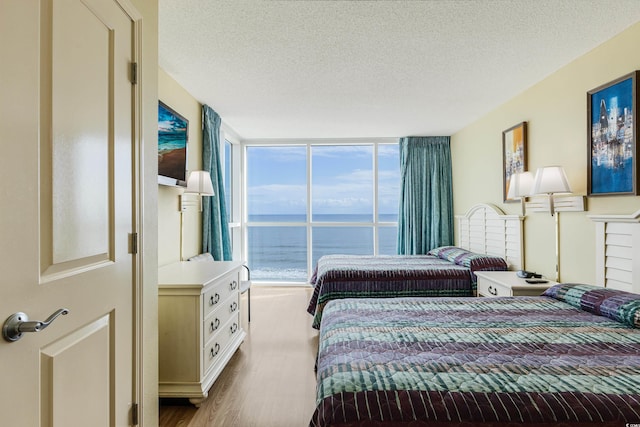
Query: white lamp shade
[520,185]
[550,180]
[200,182]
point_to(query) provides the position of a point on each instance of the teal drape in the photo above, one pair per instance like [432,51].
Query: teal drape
[215,226]
[425,216]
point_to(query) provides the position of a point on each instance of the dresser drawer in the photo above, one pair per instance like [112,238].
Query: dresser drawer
[492,289]
[214,322]
[213,298]
[216,347]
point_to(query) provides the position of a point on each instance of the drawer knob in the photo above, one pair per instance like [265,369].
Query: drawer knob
[233,328]
[214,351]
[215,324]
[233,285]
[492,290]
[214,299]
[233,307]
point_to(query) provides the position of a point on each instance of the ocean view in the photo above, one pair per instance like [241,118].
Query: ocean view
[279,253]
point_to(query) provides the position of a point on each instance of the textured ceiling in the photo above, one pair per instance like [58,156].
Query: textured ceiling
[350,69]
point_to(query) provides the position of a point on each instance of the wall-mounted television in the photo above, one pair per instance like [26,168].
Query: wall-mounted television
[173,135]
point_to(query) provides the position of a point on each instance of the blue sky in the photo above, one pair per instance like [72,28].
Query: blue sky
[342,178]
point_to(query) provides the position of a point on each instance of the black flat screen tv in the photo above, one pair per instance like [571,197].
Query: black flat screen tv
[173,136]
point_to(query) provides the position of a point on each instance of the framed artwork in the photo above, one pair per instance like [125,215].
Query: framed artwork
[612,129]
[514,155]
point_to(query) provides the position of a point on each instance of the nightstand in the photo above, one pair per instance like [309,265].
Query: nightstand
[507,284]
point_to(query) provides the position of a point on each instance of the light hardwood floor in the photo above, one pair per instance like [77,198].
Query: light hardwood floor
[270,381]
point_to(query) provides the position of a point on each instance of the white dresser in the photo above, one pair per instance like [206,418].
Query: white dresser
[199,325]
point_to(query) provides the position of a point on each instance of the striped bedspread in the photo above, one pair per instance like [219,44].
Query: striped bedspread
[385,276]
[533,361]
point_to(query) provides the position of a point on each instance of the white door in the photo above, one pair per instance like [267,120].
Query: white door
[67,211]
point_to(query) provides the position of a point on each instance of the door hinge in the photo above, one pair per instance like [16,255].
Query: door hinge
[134,73]
[135,417]
[133,243]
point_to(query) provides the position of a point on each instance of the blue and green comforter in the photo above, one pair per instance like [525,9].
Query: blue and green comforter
[533,361]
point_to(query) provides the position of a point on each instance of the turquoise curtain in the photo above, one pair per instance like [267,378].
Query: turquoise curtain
[215,226]
[425,217]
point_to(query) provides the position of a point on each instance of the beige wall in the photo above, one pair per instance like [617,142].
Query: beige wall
[555,111]
[176,97]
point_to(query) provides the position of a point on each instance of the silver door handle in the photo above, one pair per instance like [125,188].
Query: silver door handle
[18,323]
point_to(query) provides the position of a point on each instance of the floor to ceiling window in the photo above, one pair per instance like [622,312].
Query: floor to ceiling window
[307,200]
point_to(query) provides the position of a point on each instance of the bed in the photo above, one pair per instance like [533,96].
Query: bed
[489,240]
[570,357]
[446,271]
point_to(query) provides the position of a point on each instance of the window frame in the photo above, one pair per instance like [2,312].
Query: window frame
[236,184]
[376,223]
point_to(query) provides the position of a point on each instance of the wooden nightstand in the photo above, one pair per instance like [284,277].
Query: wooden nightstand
[506,284]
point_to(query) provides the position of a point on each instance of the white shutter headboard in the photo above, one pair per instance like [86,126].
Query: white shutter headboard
[618,251]
[486,229]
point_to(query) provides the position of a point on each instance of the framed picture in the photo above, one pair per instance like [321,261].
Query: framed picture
[173,135]
[514,155]
[612,129]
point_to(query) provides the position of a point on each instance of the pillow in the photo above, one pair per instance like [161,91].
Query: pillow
[447,252]
[621,306]
[472,260]
[202,257]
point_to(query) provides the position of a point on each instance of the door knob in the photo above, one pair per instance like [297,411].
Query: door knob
[18,323]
